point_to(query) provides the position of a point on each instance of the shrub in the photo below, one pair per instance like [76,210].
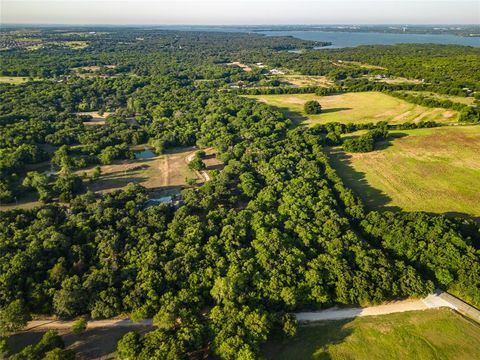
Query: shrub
[79,325]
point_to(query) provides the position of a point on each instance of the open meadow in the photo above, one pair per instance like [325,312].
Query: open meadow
[298,80]
[14,80]
[356,107]
[427,334]
[435,170]
[164,174]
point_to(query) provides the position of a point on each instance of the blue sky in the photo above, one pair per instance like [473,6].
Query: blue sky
[227,12]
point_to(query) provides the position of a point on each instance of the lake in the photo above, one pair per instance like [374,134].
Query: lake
[342,39]
[351,39]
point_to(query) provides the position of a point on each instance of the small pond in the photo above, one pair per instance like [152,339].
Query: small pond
[146,153]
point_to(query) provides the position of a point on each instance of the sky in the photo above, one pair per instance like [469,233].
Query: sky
[239,12]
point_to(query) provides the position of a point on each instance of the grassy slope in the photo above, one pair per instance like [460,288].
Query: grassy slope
[428,334]
[435,170]
[360,107]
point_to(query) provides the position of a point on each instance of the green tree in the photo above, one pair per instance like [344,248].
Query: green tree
[128,347]
[96,173]
[196,164]
[13,317]
[71,299]
[60,354]
[312,107]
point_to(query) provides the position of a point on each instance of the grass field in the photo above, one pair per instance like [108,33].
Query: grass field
[434,170]
[304,80]
[360,107]
[15,80]
[428,334]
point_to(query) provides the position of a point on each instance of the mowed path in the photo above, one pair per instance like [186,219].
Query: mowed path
[439,299]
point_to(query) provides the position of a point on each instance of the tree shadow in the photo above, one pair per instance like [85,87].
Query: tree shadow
[110,183]
[373,198]
[332,110]
[456,214]
[296,117]
[312,341]
[91,344]
[16,342]
[160,191]
[383,144]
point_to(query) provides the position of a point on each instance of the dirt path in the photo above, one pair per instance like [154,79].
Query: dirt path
[165,171]
[37,325]
[432,301]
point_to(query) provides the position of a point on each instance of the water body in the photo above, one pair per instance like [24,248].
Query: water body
[144,154]
[343,39]
[352,39]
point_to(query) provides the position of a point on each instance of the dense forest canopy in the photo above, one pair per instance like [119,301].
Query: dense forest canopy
[273,232]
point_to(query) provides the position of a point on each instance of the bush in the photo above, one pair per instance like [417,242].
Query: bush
[312,107]
[79,325]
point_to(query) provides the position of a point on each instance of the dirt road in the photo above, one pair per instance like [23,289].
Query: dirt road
[432,301]
[38,325]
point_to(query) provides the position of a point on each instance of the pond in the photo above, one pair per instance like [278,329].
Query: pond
[146,153]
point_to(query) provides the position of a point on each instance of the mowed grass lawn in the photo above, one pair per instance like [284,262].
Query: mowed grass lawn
[359,107]
[429,334]
[434,170]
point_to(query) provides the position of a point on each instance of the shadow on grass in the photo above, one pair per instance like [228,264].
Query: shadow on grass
[91,344]
[381,145]
[311,341]
[114,183]
[296,117]
[372,198]
[455,214]
[332,110]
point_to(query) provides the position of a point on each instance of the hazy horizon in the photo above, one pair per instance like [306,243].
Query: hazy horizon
[239,12]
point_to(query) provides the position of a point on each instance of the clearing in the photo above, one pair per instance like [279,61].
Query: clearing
[305,80]
[14,80]
[357,107]
[96,119]
[428,334]
[240,65]
[163,175]
[394,80]
[435,170]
